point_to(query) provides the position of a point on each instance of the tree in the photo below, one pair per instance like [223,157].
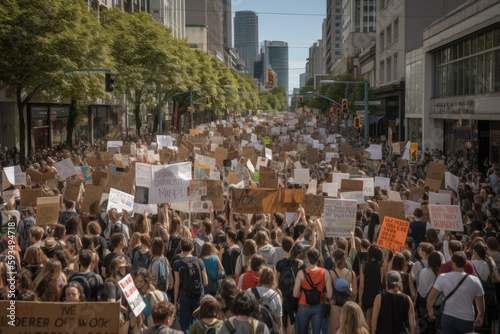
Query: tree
[37,41]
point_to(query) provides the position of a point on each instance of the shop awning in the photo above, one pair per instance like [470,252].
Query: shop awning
[375,119]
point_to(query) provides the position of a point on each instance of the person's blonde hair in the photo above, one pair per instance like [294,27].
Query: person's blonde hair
[352,320]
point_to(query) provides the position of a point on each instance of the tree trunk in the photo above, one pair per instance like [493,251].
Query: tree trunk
[73,114]
[22,127]
[137,112]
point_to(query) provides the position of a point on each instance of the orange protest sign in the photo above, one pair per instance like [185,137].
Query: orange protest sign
[392,234]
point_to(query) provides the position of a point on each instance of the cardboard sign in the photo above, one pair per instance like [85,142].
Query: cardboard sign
[393,195]
[410,207]
[348,150]
[97,175]
[439,198]
[293,196]
[374,151]
[391,209]
[301,175]
[91,197]
[94,162]
[392,234]
[120,181]
[435,174]
[268,180]
[9,176]
[47,210]
[73,190]
[66,168]
[351,185]
[416,193]
[355,195]
[34,175]
[368,185]
[313,204]
[446,217]
[339,217]
[132,295]
[255,200]
[451,181]
[29,196]
[382,182]
[81,318]
[312,155]
[337,177]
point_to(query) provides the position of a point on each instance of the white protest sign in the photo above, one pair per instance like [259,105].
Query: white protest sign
[382,182]
[261,161]
[250,166]
[203,165]
[446,217]
[410,206]
[170,183]
[9,176]
[337,177]
[330,188]
[451,180]
[356,195]
[313,187]
[114,144]
[375,152]
[66,168]
[439,198]
[393,195]
[164,141]
[268,153]
[406,154]
[120,201]
[132,295]
[301,175]
[339,217]
[368,187]
[201,206]
[331,155]
[20,179]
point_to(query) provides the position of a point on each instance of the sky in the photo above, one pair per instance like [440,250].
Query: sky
[297,22]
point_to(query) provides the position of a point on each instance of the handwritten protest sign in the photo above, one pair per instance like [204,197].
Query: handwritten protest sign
[132,295]
[382,182]
[446,217]
[356,195]
[20,178]
[47,210]
[29,196]
[255,200]
[170,183]
[49,317]
[393,195]
[339,217]
[410,207]
[368,185]
[66,168]
[120,201]
[392,234]
[313,204]
[73,190]
[301,175]
[202,166]
[391,209]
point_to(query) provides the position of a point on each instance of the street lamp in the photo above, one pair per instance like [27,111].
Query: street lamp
[367,86]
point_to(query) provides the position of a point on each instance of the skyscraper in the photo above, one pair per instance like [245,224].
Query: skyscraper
[246,38]
[275,56]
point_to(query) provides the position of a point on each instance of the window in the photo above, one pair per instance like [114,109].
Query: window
[382,40]
[389,35]
[382,73]
[395,71]
[396,30]
[389,70]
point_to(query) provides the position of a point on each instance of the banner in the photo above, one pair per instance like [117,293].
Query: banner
[392,234]
[170,183]
[446,217]
[339,217]
[49,317]
[256,201]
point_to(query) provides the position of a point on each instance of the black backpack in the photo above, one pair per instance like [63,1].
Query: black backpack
[286,281]
[191,277]
[25,237]
[90,282]
[116,228]
[265,313]
[229,258]
[173,246]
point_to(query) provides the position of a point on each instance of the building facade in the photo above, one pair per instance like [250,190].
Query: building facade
[461,62]
[246,38]
[332,33]
[275,56]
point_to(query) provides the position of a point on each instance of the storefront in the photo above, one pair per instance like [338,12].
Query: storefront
[48,124]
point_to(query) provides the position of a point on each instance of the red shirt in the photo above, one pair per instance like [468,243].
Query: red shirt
[446,268]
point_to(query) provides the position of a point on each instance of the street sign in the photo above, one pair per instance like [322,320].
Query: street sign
[370,103]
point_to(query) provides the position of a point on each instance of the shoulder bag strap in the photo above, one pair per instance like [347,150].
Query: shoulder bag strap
[308,279]
[229,326]
[335,271]
[456,288]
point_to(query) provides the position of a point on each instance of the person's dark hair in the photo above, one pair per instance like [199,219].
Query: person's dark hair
[64,257]
[434,261]
[279,218]
[68,204]
[59,231]
[209,307]
[287,244]
[418,213]
[88,242]
[207,225]
[231,234]
[398,262]
[301,228]
[74,226]
[313,256]
[358,232]
[365,244]
[23,277]
[374,253]
[244,304]
[494,223]
[481,250]
[144,273]
[492,243]
[116,239]
[339,258]
[454,246]
[85,257]
[459,259]
[374,220]
[186,245]
[78,287]
[157,247]
[161,311]
[256,262]
[228,290]
[221,219]
[342,243]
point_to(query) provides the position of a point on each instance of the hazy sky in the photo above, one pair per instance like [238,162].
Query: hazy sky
[297,22]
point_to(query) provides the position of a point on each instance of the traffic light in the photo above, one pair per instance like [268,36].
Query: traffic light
[344,105]
[207,99]
[357,122]
[338,112]
[270,77]
[301,98]
[110,82]
[188,109]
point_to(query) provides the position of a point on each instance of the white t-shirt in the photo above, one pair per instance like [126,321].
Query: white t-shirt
[461,304]
[482,268]
[274,303]
[426,279]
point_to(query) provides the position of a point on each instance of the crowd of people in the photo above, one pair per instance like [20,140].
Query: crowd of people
[228,272]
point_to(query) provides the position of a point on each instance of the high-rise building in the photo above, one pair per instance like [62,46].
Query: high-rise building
[246,38]
[332,29]
[357,16]
[275,57]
